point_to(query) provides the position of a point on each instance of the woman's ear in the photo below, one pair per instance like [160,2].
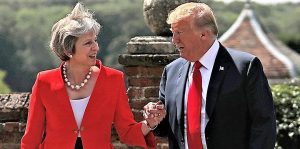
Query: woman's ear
[68,54]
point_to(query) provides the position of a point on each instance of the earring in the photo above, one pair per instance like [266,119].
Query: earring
[70,56]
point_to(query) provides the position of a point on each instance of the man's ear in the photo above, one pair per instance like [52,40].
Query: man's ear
[204,34]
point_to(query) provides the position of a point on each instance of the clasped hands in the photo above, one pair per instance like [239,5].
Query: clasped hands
[154,113]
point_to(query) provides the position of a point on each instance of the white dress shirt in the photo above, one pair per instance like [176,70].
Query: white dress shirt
[78,107]
[207,61]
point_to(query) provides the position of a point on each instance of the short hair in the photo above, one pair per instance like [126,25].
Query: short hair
[201,14]
[66,31]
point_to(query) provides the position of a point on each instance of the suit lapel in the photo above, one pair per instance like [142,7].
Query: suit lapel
[96,94]
[180,89]
[216,80]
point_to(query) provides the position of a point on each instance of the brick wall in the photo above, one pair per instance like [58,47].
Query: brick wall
[13,115]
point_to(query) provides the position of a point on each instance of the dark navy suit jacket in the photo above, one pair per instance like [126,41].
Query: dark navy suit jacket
[239,103]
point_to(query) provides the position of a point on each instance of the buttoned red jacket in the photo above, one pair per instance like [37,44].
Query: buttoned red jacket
[51,123]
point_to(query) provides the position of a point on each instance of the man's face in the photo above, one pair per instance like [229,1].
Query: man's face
[187,40]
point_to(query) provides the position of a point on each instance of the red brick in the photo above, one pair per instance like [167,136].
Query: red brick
[151,92]
[11,127]
[138,104]
[22,127]
[131,71]
[10,137]
[138,115]
[140,71]
[119,145]
[135,92]
[9,146]
[143,82]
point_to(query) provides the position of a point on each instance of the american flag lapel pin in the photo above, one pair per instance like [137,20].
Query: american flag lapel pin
[221,68]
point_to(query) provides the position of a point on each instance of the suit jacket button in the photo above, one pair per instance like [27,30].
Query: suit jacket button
[75,131]
[82,128]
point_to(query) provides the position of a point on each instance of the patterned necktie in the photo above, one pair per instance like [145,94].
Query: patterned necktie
[194,104]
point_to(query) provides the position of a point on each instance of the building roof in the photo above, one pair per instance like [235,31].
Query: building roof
[248,34]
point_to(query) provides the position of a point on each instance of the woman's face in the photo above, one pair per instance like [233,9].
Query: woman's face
[86,48]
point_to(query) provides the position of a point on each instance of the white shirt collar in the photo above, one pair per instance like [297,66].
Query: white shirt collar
[208,59]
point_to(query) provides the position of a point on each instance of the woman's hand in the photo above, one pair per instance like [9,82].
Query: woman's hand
[154,113]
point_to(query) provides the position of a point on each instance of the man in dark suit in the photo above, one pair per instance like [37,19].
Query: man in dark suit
[234,107]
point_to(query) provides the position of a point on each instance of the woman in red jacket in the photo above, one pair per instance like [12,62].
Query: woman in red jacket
[75,105]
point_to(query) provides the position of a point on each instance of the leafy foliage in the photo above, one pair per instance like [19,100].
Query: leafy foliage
[4,88]
[119,25]
[287,103]
[283,20]
[28,37]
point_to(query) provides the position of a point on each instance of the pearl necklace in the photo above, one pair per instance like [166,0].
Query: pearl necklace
[75,86]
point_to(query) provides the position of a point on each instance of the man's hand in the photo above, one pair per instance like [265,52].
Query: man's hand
[154,113]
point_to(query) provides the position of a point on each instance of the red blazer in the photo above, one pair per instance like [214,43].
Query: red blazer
[50,114]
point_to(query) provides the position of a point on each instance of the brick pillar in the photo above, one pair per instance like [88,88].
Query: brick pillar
[143,64]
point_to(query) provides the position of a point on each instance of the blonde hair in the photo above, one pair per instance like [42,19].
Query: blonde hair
[202,15]
[67,30]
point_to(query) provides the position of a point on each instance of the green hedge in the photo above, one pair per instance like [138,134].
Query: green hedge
[4,88]
[287,104]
